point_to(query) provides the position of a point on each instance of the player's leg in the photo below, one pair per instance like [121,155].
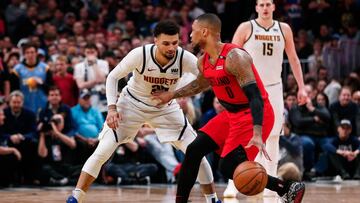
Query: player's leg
[272,143]
[109,140]
[194,155]
[107,145]
[194,160]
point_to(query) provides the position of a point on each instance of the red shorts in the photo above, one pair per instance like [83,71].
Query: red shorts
[229,130]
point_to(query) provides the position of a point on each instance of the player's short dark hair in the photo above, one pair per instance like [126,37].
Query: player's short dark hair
[211,20]
[167,27]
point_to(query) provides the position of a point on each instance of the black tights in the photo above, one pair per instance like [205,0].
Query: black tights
[201,146]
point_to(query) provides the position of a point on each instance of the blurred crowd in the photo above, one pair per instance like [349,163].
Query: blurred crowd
[55,56]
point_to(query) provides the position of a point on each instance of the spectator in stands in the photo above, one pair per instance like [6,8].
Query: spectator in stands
[290,102]
[322,100]
[26,24]
[120,19]
[343,151]
[129,165]
[34,78]
[55,106]
[356,97]
[291,151]
[321,85]
[311,123]
[54,149]
[9,158]
[332,90]
[315,59]
[66,82]
[88,122]
[344,108]
[20,132]
[291,85]
[91,74]
[4,79]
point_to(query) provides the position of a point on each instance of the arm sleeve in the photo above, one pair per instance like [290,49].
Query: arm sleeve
[256,102]
[130,62]
[189,62]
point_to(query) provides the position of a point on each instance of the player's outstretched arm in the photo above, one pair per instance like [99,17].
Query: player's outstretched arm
[239,64]
[196,86]
[294,61]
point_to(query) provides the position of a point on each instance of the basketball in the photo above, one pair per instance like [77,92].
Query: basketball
[250,178]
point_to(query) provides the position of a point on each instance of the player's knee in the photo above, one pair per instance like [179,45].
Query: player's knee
[228,164]
[193,151]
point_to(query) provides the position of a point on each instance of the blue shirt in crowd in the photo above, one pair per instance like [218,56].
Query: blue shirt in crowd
[87,124]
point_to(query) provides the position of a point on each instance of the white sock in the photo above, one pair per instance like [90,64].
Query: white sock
[210,197]
[79,194]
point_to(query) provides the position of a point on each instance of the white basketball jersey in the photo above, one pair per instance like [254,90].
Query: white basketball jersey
[266,47]
[153,77]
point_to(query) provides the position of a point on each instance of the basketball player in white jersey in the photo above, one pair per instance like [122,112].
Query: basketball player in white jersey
[265,40]
[155,67]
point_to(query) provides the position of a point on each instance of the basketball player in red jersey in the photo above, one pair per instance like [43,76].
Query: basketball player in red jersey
[238,133]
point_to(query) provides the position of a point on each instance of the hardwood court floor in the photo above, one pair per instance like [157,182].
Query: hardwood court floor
[325,192]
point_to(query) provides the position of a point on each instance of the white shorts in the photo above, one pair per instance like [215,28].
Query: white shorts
[169,121]
[277,101]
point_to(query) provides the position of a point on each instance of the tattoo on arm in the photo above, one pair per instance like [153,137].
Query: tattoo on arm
[194,87]
[238,63]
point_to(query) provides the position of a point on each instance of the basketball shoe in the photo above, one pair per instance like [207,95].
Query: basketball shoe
[295,194]
[71,199]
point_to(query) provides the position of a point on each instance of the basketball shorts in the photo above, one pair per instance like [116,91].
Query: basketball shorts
[229,130]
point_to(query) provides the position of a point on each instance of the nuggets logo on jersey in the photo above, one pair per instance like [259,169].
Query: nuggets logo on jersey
[266,47]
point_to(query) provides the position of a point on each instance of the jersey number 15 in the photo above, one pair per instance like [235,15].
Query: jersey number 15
[268,49]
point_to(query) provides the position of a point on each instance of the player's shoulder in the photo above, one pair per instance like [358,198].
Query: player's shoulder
[284,26]
[245,25]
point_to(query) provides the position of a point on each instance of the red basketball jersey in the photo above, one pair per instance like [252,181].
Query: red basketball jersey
[225,85]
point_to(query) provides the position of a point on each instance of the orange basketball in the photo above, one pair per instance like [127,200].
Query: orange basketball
[31,82]
[250,178]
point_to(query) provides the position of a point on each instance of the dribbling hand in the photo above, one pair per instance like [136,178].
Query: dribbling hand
[113,118]
[257,141]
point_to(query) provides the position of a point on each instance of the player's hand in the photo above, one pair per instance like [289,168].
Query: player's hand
[257,141]
[302,97]
[113,118]
[162,97]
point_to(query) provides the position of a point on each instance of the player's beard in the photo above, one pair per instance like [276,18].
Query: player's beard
[196,48]
[169,56]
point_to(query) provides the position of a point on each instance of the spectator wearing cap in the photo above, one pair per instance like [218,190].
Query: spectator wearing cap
[343,152]
[34,78]
[66,82]
[91,74]
[88,124]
